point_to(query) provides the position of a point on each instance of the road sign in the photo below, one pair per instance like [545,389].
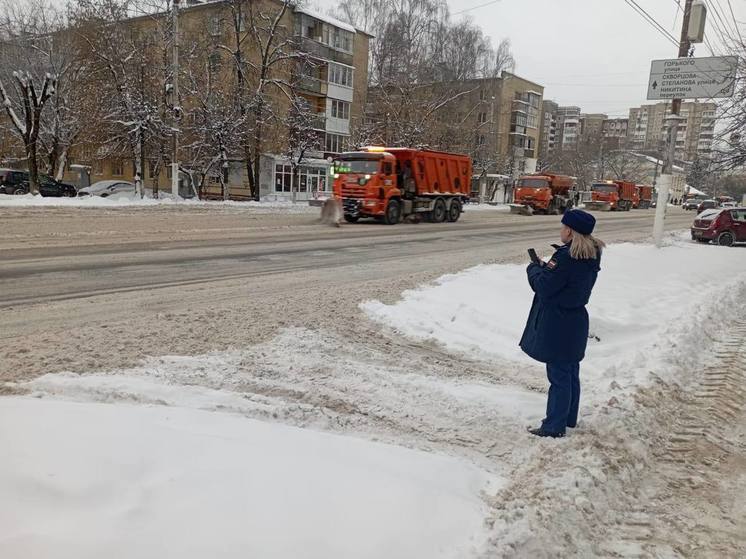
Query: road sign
[693,78]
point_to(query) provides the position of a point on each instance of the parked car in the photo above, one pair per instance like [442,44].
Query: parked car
[13,181]
[724,226]
[728,205]
[107,188]
[706,205]
[691,204]
[47,186]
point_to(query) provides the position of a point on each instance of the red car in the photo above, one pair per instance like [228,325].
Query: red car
[724,226]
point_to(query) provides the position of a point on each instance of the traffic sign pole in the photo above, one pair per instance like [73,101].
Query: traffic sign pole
[666,179]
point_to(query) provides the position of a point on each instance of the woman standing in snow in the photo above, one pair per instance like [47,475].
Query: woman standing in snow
[557,329]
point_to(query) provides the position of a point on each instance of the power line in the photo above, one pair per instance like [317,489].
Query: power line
[735,23]
[652,21]
[475,7]
[722,29]
[722,14]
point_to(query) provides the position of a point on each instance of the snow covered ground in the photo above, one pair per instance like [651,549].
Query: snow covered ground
[169,456]
[127,200]
[85,480]
[644,299]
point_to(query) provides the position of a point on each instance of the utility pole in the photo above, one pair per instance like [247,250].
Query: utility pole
[176,106]
[666,178]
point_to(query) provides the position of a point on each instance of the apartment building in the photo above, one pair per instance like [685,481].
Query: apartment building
[495,120]
[647,128]
[518,126]
[592,124]
[568,126]
[548,128]
[616,128]
[331,75]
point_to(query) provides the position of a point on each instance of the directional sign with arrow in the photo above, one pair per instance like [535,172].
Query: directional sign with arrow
[693,78]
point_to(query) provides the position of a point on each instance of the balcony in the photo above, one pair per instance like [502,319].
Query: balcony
[322,51]
[309,84]
[318,121]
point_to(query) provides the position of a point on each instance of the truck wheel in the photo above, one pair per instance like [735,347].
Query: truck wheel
[454,212]
[351,218]
[438,215]
[393,212]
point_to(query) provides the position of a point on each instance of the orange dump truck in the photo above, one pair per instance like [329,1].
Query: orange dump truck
[644,197]
[390,184]
[545,193]
[612,195]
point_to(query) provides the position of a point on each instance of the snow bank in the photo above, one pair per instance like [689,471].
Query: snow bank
[487,208]
[641,295]
[127,200]
[85,480]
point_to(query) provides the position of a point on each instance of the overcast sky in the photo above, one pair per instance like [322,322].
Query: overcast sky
[591,53]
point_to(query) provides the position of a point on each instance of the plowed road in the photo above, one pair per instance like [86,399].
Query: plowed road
[97,253]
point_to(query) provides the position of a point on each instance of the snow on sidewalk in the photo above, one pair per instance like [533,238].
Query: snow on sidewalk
[644,300]
[89,480]
[127,200]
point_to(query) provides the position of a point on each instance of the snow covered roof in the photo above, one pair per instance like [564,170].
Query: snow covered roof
[694,192]
[327,19]
[657,161]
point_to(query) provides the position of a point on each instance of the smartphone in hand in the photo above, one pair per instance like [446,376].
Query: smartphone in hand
[534,257]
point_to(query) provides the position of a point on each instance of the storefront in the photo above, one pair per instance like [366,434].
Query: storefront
[306,182]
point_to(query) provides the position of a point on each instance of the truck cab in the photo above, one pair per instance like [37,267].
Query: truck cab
[365,181]
[545,193]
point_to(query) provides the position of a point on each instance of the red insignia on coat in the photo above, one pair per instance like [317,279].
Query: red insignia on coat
[552,264]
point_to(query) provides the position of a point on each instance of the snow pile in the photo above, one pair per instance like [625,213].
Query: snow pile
[487,208]
[642,293]
[127,200]
[95,480]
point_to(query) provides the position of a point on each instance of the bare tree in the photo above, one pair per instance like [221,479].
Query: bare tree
[215,128]
[302,137]
[259,28]
[120,57]
[27,79]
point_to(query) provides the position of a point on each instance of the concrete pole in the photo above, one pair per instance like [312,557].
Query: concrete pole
[176,107]
[666,179]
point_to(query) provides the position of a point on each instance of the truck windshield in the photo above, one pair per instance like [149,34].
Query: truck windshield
[533,183]
[604,188]
[356,166]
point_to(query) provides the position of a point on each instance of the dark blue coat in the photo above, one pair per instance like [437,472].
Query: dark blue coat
[557,328]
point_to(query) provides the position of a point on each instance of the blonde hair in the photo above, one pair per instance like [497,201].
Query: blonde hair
[585,247]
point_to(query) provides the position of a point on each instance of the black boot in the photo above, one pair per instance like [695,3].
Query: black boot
[540,432]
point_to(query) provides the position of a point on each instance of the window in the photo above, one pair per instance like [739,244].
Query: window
[738,215]
[98,168]
[215,26]
[152,165]
[214,62]
[307,179]
[117,168]
[482,118]
[480,140]
[340,109]
[335,143]
[340,75]
[482,95]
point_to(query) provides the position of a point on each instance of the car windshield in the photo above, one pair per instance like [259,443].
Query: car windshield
[533,183]
[604,188]
[356,166]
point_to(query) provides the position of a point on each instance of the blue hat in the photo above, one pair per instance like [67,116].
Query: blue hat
[579,221]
